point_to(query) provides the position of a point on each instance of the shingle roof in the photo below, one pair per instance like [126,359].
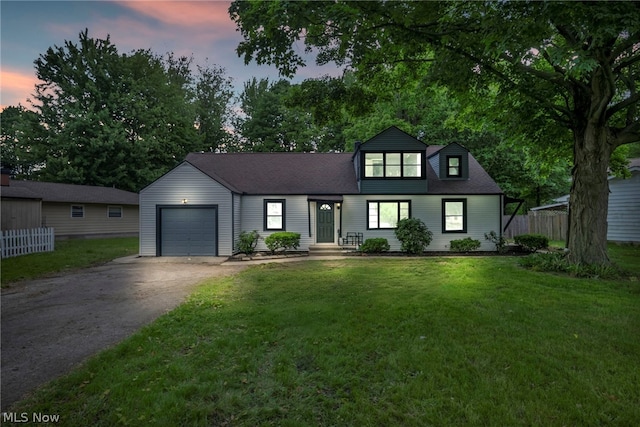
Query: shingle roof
[70,193]
[316,174]
[280,173]
[479,181]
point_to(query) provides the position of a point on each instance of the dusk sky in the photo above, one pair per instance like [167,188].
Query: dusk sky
[201,29]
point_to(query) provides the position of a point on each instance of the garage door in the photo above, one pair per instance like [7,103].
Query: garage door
[188,231]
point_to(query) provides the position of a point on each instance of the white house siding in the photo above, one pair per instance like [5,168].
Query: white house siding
[624,209]
[185,182]
[296,218]
[483,216]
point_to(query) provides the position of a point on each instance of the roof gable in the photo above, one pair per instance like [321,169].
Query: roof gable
[390,139]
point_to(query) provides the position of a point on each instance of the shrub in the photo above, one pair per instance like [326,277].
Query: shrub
[465,245]
[247,242]
[414,235]
[282,240]
[499,241]
[532,242]
[374,246]
[557,263]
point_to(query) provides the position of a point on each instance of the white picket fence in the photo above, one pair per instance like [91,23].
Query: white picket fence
[22,242]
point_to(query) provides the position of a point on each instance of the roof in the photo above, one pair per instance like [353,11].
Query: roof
[316,174]
[70,193]
[634,164]
[479,181]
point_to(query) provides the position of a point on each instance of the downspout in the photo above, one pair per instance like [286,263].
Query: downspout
[309,216]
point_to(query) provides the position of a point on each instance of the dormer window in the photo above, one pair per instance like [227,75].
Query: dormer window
[393,165]
[454,166]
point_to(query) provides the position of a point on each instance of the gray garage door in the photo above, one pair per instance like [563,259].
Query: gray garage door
[188,231]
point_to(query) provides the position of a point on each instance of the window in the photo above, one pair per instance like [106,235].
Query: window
[274,214]
[114,211]
[386,214]
[77,211]
[392,165]
[454,166]
[454,215]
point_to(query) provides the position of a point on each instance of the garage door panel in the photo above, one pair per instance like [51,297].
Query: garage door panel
[188,231]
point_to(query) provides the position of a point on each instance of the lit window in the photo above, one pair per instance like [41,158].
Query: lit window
[77,211]
[274,214]
[114,211]
[454,166]
[454,216]
[392,165]
[386,214]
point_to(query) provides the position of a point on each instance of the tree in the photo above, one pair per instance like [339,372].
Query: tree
[112,119]
[20,140]
[213,94]
[558,68]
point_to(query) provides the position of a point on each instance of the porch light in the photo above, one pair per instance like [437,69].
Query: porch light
[338,206]
[184,201]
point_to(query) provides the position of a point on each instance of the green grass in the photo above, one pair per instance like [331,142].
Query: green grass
[372,342]
[68,254]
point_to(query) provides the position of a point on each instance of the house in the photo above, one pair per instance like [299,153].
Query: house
[624,206]
[201,206]
[72,210]
[623,223]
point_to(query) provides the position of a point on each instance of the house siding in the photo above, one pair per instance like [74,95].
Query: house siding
[18,214]
[296,218]
[185,182]
[624,209]
[483,216]
[95,222]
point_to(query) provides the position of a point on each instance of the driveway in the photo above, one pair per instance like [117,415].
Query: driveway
[51,325]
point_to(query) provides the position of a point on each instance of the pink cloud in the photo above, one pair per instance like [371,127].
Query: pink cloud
[189,14]
[16,87]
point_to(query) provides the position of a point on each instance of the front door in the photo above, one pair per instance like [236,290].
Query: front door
[324,222]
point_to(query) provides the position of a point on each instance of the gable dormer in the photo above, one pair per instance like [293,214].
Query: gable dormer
[451,162]
[392,162]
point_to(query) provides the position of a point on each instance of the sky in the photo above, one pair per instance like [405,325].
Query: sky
[199,29]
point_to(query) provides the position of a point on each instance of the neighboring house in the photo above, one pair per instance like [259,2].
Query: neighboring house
[201,206]
[72,210]
[623,218]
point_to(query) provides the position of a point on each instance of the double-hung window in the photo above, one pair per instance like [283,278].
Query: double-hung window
[274,214]
[114,211]
[77,211]
[454,166]
[393,165]
[454,215]
[386,214]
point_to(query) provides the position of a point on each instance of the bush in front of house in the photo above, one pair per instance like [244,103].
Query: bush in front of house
[532,242]
[413,234]
[247,242]
[282,241]
[375,246]
[499,241]
[464,245]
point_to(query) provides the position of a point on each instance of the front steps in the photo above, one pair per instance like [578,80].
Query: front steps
[327,250]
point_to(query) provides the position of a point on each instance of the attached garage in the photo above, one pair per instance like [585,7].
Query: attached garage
[187,231]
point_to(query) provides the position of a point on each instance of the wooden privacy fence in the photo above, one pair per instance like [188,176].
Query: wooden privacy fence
[553,224]
[22,242]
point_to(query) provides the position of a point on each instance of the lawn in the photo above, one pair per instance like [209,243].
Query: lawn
[369,341]
[68,254]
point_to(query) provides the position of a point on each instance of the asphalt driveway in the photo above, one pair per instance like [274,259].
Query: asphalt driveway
[51,325]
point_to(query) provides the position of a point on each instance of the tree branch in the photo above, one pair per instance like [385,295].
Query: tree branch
[633,99]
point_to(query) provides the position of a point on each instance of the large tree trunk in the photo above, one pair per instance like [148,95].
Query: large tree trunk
[589,201]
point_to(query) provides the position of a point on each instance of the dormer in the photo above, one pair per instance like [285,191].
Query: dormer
[451,162]
[392,162]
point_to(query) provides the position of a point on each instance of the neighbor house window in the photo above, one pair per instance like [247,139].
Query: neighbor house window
[392,165]
[114,211]
[454,166]
[77,211]
[386,214]
[454,216]
[274,214]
